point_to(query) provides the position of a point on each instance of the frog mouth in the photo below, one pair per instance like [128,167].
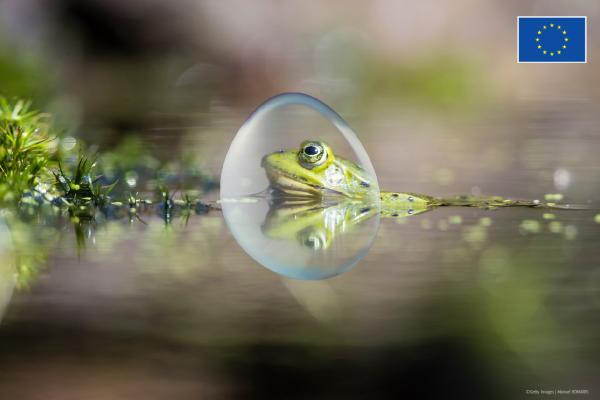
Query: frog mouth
[282,182]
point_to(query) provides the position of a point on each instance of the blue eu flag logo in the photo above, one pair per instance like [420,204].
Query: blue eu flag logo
[552,39]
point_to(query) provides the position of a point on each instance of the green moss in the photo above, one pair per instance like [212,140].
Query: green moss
[24,150]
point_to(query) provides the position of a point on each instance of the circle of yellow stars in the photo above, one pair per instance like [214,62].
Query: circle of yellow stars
[540,46]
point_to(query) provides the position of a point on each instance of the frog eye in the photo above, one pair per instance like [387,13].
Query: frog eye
[312,150]
[313,239]
[312,154]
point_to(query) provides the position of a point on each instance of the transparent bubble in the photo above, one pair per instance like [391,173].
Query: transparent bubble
[300,236]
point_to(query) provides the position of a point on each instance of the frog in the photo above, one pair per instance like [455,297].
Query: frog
[315,171]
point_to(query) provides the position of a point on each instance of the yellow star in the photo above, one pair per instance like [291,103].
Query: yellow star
[545,52]
[566,39]
[539,46]
[558,27]
[564,46]
[539,32]
[544,26]
[564,32]
[537,39]
[557,51]
[552,54]
[551,25]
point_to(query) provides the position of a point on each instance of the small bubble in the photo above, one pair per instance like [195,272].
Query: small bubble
[548,216]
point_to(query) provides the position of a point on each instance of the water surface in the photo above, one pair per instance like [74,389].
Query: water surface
[486,302]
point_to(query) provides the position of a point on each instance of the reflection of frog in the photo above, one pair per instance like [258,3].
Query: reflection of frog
[314,224]
[314,171]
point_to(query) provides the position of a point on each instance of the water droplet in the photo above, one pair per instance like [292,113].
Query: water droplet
[308,239]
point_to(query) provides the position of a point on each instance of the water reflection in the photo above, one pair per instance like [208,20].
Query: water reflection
[303,238]
[314,224]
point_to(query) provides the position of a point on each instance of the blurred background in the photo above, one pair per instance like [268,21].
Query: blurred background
[454,303]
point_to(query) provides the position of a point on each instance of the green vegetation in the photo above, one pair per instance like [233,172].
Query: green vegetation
[46,185]
[34,172]
[24,150]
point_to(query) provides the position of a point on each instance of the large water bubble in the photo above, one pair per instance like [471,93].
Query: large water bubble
[307,238]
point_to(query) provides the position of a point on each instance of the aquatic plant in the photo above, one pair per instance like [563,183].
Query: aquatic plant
[43,187]
[81,192]
[33,173]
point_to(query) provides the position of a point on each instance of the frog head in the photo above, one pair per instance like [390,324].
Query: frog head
[314,170]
